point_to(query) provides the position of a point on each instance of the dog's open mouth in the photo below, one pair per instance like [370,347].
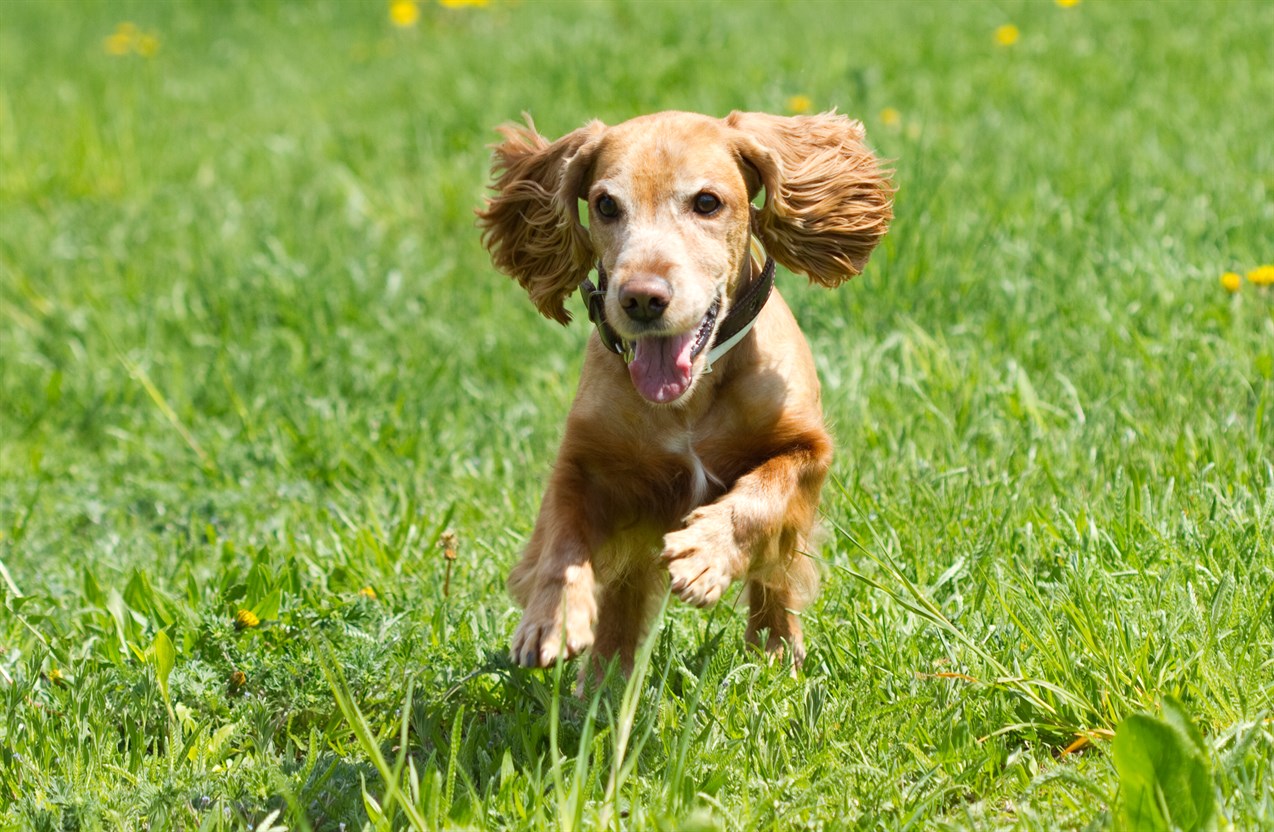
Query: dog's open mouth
[662,367]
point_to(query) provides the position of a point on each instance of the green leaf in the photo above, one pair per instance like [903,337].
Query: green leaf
[165,657]
[140,595]
[260,582]
[1174,713]
[92,590]
[1164,773]
[122,618]
[267,609]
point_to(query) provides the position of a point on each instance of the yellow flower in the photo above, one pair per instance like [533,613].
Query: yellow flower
[1261,276]
[1230,281]
[460,4]
[404,13]
[128,38]
[1007,34]
[244,619]
[117,43]
[890,117]
[1068,4]
[368,592]
[799,104]
[146,45]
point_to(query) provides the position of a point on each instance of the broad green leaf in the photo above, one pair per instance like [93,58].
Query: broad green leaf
[260,582]
[120,616]
[92,590]
[210,749]
[138,593]
[142,596]
[1164,775]
[1174,713]
[165,657]
[267,609]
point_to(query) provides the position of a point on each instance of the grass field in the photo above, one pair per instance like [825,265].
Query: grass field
[253,357]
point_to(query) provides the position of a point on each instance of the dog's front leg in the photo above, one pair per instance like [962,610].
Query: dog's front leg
[752,530]
[554,580]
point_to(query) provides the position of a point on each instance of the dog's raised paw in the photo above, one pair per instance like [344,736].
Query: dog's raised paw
[701,560]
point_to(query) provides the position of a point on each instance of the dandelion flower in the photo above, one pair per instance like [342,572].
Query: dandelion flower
[890,117]
[1068,4]
[368,592]
[1261,276]
[128,38]
[146,45]
[1007,34]
[460,4]
[1230,281]
[799,104]
[245,619]
[119,42]
[404,13]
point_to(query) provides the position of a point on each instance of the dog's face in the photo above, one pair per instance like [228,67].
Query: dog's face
[668,208]
[668,204]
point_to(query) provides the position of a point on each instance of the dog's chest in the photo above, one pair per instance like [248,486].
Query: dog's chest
[700,481]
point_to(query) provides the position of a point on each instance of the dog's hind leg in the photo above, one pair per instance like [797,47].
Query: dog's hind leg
[775,600]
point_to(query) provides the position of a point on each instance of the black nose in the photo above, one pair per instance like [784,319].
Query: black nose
[645,297]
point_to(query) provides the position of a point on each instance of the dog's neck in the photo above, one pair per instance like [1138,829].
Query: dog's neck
[750,298]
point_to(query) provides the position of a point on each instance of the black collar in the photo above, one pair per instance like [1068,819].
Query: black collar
[743,311]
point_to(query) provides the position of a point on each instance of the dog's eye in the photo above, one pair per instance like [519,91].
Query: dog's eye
[706,203]
[607,206]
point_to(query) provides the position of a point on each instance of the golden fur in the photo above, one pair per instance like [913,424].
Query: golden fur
[720,483]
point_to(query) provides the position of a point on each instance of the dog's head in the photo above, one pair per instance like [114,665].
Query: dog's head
[670,212]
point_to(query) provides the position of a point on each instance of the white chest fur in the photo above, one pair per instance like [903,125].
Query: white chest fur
[682,445]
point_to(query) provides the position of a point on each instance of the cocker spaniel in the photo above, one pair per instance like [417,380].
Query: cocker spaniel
[695,450]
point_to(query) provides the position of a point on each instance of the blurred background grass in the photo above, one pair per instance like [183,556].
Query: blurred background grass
[250,343]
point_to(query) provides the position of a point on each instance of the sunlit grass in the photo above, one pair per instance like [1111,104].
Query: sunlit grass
[255,368]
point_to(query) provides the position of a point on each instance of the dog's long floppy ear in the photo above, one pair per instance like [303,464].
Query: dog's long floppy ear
[531,225]
[827,199]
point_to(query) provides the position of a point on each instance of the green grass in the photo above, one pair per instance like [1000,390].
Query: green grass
[253,356]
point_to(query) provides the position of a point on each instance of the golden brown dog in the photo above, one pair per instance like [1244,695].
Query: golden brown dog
[680,466]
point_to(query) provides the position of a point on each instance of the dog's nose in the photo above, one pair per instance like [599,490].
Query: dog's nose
[645,297]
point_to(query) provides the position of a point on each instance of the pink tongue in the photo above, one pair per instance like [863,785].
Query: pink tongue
[660,368]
